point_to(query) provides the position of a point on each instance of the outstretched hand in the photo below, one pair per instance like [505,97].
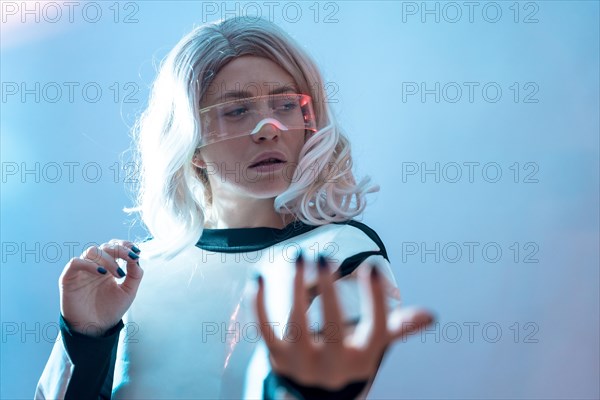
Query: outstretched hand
[341,358]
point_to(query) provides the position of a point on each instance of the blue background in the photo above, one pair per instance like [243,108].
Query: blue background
[545,310]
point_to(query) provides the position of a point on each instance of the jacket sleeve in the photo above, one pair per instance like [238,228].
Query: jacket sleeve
[80,366]
[278,387]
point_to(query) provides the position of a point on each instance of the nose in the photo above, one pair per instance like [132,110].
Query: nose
[267,132]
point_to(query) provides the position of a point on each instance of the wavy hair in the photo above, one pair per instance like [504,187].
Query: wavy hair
[173,197]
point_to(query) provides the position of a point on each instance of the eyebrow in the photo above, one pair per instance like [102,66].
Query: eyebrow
[239,94]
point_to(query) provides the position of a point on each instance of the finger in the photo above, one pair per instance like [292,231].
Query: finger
[297,319]
[103,260]
[117,251]
[407,320]
[126,243]
[266,330]
[379,332]
[333,326]
[76,265]
[134,274]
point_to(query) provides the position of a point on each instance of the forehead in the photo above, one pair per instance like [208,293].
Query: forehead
[256,75]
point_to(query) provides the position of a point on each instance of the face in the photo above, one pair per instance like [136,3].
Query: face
[228,163]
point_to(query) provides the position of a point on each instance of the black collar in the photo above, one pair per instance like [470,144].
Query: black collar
[235,240]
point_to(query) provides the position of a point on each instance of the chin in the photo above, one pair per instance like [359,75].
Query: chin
[268,190]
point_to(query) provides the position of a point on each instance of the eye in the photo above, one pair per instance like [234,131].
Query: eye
[287,106]
[236,112]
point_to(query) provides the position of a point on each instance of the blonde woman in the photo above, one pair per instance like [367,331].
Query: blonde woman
[257,281]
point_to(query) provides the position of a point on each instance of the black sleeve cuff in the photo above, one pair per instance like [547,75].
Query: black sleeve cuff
[92,357]
[275,381]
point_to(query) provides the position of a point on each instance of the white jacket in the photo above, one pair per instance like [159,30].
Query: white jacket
[192,331]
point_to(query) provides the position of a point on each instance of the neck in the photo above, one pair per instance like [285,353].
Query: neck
[253,213]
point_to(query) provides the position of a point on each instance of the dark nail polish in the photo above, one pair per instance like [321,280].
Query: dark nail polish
[138,263]
[374,273]
[322,262]
[101,270]
[120,272]
[135,249]
[259,279]
[133,256]
[300,257]
[429,319]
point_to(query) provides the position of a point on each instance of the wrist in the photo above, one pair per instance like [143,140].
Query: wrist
[275,382]
[90,330]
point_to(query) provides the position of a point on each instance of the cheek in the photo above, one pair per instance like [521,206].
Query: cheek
[227,160]
[299,145]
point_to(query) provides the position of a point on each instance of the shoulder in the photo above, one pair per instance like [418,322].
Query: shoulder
[359,233]
[371,234]
[356,242]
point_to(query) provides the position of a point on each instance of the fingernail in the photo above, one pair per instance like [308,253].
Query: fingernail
[120,272]
[259,279]
[322,262]
[300,257]
[430,318]
[101,270]
[374,273]
[138,263]
[135,249]
[133,256]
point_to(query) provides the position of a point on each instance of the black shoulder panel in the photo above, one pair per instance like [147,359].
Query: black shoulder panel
[352,262]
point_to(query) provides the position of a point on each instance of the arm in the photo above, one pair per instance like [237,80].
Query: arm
[80,366]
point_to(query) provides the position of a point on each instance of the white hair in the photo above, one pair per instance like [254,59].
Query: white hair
[173,197]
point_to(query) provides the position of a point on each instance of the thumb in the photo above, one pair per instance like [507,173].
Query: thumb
[404,321]
[133,277]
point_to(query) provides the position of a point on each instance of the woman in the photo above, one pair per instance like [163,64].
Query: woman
[244,173]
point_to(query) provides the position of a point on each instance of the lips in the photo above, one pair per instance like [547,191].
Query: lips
[272,157]
[267,162]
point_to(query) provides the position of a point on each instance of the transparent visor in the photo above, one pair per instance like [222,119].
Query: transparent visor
[288,112]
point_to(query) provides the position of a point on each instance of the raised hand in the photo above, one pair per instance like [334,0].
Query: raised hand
[342,358]
[91,299]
